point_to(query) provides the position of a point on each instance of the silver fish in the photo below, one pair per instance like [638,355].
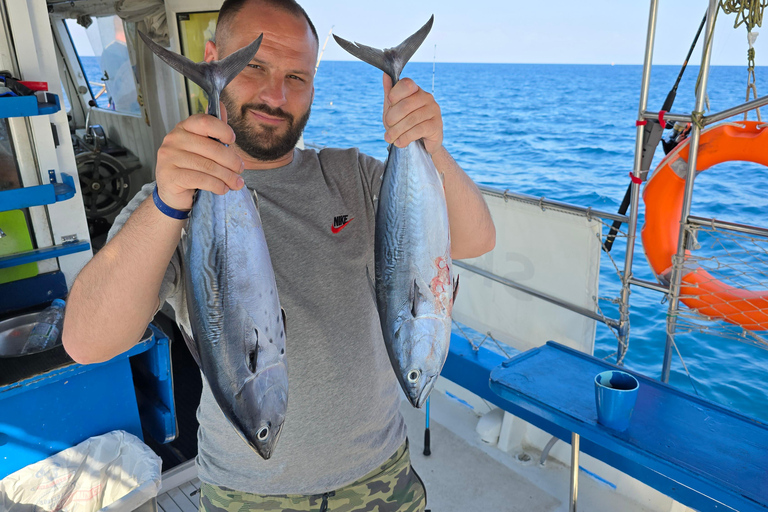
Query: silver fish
[414,287]
[238,327]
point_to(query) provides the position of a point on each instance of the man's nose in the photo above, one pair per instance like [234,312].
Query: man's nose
[273,93]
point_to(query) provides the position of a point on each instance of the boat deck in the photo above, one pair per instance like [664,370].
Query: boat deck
[461,474]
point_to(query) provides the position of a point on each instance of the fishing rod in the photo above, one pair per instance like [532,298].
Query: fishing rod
[320,57]
[651,139]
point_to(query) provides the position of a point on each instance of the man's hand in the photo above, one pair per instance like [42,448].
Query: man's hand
[190,159]
[410,114]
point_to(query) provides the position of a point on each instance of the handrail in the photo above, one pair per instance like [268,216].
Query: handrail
[540,295]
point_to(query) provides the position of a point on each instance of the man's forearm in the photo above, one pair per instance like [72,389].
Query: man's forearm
[472,229]
[115,295]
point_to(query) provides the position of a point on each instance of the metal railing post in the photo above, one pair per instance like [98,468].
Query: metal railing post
[635,194]
[678,259]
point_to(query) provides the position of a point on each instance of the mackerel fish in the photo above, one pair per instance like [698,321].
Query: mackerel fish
[238,327]
[414,288]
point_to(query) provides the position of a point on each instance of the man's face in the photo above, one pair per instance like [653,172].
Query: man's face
[268,103]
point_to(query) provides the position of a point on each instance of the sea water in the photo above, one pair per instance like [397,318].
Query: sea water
[567,132]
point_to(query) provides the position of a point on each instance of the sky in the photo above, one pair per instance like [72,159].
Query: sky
[534,31]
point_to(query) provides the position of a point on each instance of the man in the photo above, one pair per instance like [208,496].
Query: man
[343,444]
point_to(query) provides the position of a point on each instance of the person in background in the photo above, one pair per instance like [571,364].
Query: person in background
[343,446]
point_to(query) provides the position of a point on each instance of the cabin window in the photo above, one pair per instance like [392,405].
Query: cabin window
[195,28]
[106,64]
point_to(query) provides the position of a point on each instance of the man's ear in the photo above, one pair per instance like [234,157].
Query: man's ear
[211,52]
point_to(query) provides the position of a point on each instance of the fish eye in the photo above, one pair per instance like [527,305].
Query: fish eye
[413,376]
[263,434]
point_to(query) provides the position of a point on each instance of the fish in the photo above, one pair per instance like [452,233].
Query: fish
[413,283]
[238,327]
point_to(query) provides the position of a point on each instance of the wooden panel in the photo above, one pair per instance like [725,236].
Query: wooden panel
[166,504]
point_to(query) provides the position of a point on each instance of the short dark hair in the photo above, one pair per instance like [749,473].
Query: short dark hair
[231,7]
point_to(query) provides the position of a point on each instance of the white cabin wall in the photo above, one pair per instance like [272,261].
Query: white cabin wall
[133,133]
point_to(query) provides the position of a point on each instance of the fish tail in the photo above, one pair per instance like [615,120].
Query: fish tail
[390,60]
[212,77]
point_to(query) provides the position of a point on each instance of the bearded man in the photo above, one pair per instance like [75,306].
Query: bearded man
[343,445]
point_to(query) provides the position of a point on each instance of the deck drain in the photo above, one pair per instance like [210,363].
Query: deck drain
[523,457]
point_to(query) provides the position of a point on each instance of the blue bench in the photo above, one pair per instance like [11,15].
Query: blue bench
[701,454]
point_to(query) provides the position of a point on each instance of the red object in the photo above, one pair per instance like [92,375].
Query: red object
[336,229]
[661,117]
[641,123]
[638,181]
[36,86]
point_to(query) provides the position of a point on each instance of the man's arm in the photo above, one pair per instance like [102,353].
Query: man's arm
[411,113]
[116,294]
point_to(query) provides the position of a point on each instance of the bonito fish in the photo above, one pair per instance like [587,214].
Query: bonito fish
[414,289]
[238,329]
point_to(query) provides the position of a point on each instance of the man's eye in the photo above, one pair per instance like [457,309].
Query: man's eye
[254,66]
[294,77]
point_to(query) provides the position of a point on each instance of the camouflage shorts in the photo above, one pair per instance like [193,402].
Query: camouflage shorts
[392,487]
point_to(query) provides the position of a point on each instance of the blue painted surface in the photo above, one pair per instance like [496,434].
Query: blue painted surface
[23,106]
[49,412]
[154,389]
[53,411]
[57,251]
[472,368]
[712,457]
[26,293]
[18,198]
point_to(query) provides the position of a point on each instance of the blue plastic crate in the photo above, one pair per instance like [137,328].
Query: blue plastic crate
[51,411]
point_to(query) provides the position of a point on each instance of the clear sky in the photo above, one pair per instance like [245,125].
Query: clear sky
[534,31]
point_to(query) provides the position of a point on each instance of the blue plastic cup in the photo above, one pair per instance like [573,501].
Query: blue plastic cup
[615,394]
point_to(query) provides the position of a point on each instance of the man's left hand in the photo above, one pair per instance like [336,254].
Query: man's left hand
[411,113]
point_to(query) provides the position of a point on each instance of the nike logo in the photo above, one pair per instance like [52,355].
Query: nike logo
[340,222]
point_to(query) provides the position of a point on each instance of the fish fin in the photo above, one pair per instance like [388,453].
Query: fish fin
[455,290]
[285,321]
[231,65]
[390,60]
[190,342]
[418,298]
[255,199]
[180,63]
[371,283]
[212,77]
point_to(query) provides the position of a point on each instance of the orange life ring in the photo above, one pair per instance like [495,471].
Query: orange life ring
[663,197]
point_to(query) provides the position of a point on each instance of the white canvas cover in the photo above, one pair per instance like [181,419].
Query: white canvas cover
[112,472]
[550,251]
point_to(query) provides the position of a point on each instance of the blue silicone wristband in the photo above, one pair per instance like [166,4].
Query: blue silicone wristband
[167,210]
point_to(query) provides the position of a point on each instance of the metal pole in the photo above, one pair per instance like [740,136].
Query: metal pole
[574,471]
[635,197]
[540,295]
[677,260]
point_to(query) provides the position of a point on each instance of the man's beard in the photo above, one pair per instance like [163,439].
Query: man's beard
[266,145]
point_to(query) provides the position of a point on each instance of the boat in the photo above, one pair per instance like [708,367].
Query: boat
[83,145]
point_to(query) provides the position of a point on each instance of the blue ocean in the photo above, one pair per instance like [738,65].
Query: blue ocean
[567,132]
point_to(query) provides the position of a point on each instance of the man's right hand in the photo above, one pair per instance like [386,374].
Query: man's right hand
[190,159]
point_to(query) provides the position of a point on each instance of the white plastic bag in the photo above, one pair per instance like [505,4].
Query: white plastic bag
[114,471]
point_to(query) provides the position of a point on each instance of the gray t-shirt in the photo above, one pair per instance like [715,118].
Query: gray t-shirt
[343,418]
